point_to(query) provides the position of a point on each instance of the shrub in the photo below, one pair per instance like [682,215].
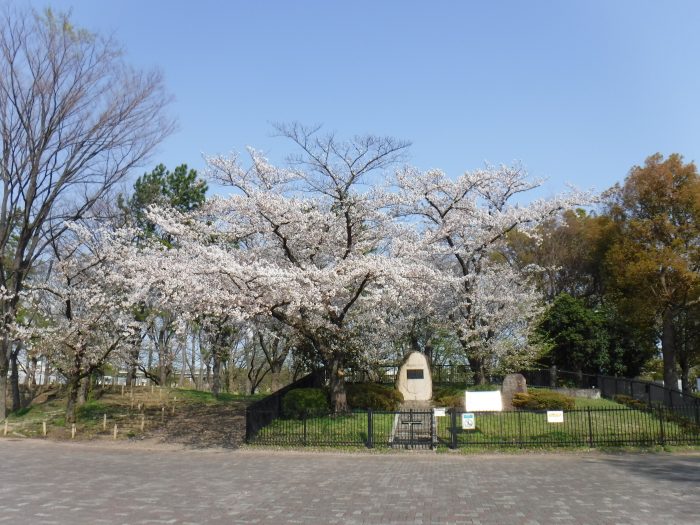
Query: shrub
[305,402]
[543,400]
[630,401]
[374,396]
[488,387]
[449,396]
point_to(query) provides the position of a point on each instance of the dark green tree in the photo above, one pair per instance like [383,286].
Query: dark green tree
[576,334]
[180,189]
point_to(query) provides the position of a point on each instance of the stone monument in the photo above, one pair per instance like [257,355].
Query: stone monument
[512,384]
[413,379]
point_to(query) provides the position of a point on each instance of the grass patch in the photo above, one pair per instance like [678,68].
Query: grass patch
[199,396]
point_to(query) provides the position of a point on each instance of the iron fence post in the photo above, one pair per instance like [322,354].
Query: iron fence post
[662,436]
[590,429]
[432,430]
[453,428]
[370,429]
[410,424]
[247,425]
[697,414]
[520,429]
[303,418]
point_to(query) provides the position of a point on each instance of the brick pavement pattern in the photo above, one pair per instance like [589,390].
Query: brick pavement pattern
[72,483]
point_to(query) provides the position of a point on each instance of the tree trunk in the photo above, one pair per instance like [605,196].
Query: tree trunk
[668,348]
[337,385]
[4,369]
[216,374]
[14,382]
[133,364]
[275,381]
[685,374]
[83,392]
[477,367]
[162,369]
[73,391]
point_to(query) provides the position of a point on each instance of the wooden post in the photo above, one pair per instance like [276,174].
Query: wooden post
[162,413]
[43,428]
[151,389]
[5,431]
[72,431]
[104,422]
[143,422]
[115,431]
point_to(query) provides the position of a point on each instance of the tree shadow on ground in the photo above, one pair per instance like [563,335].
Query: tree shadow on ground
[676,468]
[205,426]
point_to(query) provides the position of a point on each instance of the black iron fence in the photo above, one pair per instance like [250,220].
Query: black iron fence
[590,427]
[263,412]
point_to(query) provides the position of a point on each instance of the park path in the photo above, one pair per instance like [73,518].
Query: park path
[71,483]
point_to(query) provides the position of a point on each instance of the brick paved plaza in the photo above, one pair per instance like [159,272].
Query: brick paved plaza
[73,483]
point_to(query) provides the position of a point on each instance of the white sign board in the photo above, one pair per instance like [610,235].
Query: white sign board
[555,416]
[439,412]
[483,401]
[468,422]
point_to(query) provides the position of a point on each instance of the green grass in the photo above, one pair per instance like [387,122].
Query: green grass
[199,396]
[611,425]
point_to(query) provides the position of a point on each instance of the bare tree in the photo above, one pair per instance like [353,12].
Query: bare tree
[74,120]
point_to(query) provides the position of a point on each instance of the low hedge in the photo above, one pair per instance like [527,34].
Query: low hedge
[371,395]
[305,402]
[449,397]
[630,401]
[543,400]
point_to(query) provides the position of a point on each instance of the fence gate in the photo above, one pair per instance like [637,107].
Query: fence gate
[414,429]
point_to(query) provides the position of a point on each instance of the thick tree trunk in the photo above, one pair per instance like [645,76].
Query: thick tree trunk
[83,392]
[339,399]
[73,391]
[477,367]
[275,380]
[668,348]
[133,364]
[14,383]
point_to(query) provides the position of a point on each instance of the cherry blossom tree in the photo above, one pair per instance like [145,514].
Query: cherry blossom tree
[308,246]
[87,312]
[464,222]
[74,121]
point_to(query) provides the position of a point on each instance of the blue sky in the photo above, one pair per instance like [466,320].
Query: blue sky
[577,91]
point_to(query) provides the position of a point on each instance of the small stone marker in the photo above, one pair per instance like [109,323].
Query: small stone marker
[72,431]
[512,384]
[143,421]
[413,379]
[104,422]
[5,431]
[115,431]
[43,428]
